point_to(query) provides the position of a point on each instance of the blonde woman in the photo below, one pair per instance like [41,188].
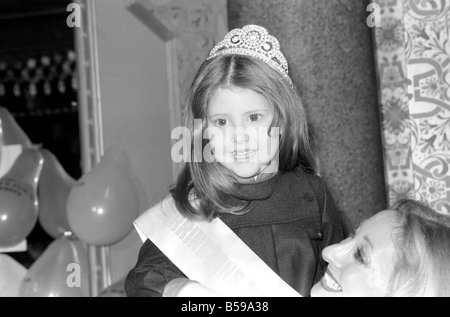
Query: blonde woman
[400,252]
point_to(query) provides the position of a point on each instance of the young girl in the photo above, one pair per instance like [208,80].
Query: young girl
[260,175]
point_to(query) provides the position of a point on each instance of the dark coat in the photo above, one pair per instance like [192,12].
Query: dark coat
[293,219]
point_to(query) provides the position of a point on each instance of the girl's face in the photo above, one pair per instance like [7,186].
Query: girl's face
[238,129]
[360,266]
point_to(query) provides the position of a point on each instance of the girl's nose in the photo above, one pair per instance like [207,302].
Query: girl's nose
[334,254]
[240,135]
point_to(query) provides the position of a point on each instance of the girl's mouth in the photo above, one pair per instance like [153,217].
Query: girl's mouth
[243,155]
[329,283]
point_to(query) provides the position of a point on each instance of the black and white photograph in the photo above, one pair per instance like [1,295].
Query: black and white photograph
[225,153]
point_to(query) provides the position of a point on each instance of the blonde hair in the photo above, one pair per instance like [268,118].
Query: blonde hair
[422,242]
[209,181]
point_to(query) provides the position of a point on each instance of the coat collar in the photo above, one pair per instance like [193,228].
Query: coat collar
[291,198]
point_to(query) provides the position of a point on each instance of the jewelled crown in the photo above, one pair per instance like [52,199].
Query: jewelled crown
[255,41]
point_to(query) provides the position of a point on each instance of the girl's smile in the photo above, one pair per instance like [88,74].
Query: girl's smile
[244,155]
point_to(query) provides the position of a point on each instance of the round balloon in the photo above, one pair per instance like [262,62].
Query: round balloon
[103,204]
[61,271]
[18,199]
[54,187]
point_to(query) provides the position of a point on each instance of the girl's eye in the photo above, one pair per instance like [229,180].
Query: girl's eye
[254,117]
[359,256]
[221,122]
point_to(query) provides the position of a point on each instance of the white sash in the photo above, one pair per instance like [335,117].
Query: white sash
[210,253]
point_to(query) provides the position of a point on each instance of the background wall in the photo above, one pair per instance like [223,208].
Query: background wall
[135,113]
[330,53]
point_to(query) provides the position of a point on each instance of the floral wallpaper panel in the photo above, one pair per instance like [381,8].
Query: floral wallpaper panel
[413,63]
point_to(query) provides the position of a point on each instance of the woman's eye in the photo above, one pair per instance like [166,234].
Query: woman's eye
[359,256]
[254,117]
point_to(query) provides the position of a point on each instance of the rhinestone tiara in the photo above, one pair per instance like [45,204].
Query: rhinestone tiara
[254,41]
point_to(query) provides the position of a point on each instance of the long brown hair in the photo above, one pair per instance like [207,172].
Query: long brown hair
[210,183]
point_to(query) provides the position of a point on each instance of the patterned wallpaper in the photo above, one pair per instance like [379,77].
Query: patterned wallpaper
[412,59]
